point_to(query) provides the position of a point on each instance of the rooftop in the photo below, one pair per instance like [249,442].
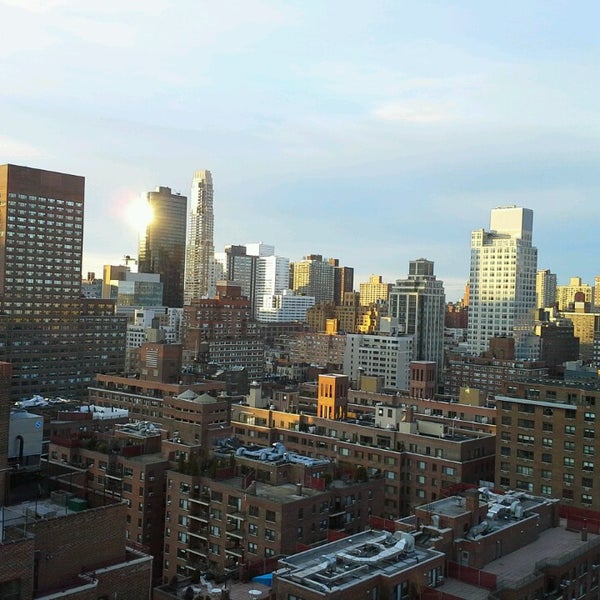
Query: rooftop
[553,545]
[339,565]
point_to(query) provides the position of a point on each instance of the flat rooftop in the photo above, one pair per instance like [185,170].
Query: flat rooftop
[553,545]
[282,493]
[15,518]
[503,510]
[339,565]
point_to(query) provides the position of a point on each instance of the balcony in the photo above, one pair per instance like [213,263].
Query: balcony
[234,532]
[202,498]
[202,515]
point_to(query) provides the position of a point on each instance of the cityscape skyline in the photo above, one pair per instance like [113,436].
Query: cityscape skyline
[431,114]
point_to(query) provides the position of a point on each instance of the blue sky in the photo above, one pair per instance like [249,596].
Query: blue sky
[374,132]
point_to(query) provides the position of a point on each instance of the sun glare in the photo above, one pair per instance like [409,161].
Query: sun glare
[138,214]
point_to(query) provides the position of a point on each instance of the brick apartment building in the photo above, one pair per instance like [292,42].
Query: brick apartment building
[173,406]
[69,544]
[495,547]
[547,442]
[221,330]
[123,464]
[418,457]
[239,521]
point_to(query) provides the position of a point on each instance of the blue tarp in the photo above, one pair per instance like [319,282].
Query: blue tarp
[266,579]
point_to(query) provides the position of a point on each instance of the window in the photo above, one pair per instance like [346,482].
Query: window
[589,416]
[570,429]
[588,465]
[586,498]
[523,470]
[587,482]
[547,490]
[568,477]
[252,547]
[547,458]
[448,470]
[270,516]
[525,454]
[270,534]
[253,511]
[569,446]
[252,529]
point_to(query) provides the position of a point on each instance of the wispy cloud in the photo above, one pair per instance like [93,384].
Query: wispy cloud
[14,150]
[412,112]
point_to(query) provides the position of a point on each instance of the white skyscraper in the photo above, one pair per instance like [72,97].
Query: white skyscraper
[502,280]
[199,264]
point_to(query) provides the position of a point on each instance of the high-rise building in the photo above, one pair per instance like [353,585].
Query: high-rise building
[199,266]
[315,277]
[386,356]
[545,289]
[343,280]
[237,266]
[575,291]
[374,291]
[55,340]
[162,246]
[419,305]
[221,331]
[502,278]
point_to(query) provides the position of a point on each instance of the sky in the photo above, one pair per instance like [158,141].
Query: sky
[374,132]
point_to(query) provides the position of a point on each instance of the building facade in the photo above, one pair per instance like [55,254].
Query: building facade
[502,278]
[374,291]
[545,289]
[379,355]
[315,277]
[199,265]
[55,339]
[419,304]
[162,245]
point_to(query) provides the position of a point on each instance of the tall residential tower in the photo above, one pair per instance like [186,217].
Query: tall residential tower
[502,279]
[199,267]
[162,247]
[55,340]
[419,304]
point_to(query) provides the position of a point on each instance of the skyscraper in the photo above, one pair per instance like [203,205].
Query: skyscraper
[545,289]
[343,281]
[199,266]
[502,278]
[419,304]
[375,290]
[162,247]
[55,340]
[314,277]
